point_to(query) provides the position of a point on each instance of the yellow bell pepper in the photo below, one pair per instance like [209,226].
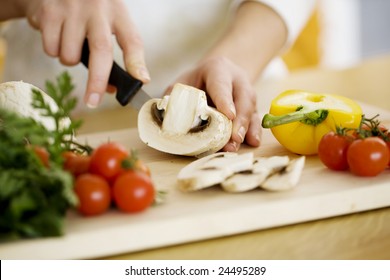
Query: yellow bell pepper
[299,119]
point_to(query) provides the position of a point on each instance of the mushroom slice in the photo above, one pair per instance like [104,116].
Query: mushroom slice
[262,168]
[287,178]
[183,124]
[212,170]
[16,96]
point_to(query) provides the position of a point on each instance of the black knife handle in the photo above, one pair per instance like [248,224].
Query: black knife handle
[126,85]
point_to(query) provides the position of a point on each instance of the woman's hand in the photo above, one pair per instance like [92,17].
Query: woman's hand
[231,93]
[64,24]
[228,71]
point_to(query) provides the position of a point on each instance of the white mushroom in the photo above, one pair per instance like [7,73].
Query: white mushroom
[287,178]
[212,170]
[183,124]
[262,168]
[17,97]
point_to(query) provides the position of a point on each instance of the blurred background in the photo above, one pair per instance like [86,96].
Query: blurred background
[339,34]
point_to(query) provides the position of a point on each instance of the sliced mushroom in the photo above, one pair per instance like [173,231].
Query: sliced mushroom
[17,97]
[286,178]
[262,168]
[241,172]
[212,170]
[183,124]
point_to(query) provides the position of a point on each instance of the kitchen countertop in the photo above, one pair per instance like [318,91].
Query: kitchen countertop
[364,235]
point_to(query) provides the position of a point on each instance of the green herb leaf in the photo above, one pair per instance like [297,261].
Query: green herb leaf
[33,198]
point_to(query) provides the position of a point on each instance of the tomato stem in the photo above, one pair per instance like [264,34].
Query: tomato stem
[160,197]
[80,148]
[370,127]
[130,161]
[307,117]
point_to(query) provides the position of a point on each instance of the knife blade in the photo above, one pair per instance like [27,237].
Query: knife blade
[129,89]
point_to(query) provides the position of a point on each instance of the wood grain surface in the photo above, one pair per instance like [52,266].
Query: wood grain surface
[356,236]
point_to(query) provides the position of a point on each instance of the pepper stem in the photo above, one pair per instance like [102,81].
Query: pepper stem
[307,117]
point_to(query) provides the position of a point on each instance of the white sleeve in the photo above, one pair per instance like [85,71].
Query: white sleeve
[294,13]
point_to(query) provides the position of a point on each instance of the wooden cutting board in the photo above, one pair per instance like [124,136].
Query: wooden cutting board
[210,213]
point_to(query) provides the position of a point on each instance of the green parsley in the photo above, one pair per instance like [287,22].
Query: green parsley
[34,198]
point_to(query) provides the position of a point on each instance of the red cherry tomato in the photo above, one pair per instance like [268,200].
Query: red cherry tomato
[387,140]
[368,157]
[133,191]
[93,193]
[106,160]
[332,150]
[388,146]
[42,154]
[75,163]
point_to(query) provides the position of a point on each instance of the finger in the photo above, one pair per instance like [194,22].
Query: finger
[231,146]
[131,43]
[219,88]
[253,135]
[168,90]
[100,62]
[34,21]
[189,78]
[51,25]
[73,35]
[245,100]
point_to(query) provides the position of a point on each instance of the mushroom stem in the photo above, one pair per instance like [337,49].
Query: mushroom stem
[182,112]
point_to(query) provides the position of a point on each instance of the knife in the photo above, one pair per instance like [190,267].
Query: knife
[128,88]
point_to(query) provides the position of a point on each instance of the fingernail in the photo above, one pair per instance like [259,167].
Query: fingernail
[93,100]
[231,146]
[143,72]
[258,138]
[241,133]
[233,110]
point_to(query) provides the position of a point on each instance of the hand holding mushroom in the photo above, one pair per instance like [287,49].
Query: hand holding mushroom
[229,69]
[232,93]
